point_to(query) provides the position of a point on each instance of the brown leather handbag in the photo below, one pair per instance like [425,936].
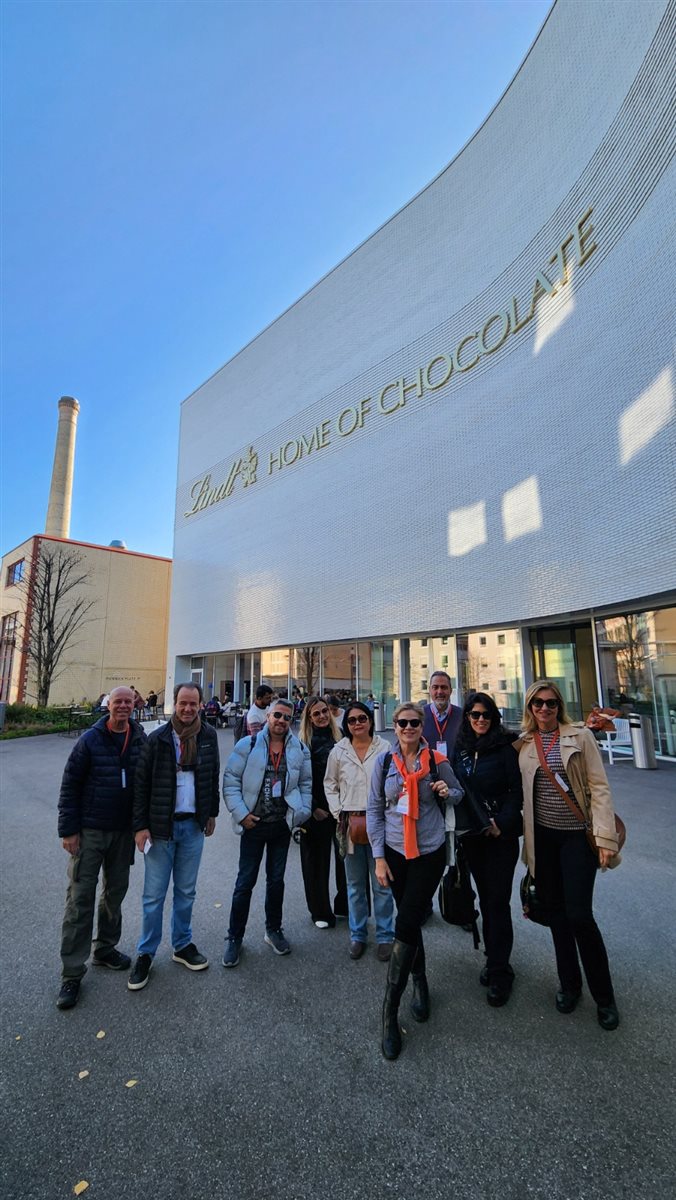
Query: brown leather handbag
[357,828]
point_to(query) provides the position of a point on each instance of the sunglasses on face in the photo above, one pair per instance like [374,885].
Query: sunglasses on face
[479,716]
[545,703]
[319,712]
[414,722]
[360,720]
[280,716]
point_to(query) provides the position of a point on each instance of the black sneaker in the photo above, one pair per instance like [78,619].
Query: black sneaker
[139,975]
[190,957]
[113,960]
[276,939]
[68,996]
[232,949]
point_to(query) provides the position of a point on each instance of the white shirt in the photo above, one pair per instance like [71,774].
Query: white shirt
[185,783]
[256,718]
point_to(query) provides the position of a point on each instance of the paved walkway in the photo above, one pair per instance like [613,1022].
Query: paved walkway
[267,1080]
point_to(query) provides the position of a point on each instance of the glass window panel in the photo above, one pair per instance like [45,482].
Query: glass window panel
[339,671]
[428,655]
[483,667]
[275,670]
[637,654]
[305,663]
[379,675]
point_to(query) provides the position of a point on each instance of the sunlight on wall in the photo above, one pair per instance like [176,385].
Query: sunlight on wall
[642,421]
[466,529]
[521,509]
[550,317]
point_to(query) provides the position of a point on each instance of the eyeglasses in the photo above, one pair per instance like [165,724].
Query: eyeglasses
[279,716]
[545,703]
[414,722]
[479,716]
[361,720]
[319,712]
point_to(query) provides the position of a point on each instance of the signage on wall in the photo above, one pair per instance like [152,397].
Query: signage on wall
[431,376]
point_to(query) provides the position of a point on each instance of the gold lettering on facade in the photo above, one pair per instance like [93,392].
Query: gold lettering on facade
[430,378]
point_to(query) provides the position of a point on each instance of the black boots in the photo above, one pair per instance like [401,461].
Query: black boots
[397,977]
[420,1001]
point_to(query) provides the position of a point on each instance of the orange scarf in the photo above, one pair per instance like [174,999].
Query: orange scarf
[411,780]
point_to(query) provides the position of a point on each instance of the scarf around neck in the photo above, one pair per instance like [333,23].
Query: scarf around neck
[411,780]
[187,735]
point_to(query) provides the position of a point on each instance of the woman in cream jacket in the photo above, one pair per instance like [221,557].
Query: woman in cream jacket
[556,847]
[346,784]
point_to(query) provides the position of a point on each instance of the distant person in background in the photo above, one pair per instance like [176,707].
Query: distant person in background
[257,715]
[336,711]
[95,819]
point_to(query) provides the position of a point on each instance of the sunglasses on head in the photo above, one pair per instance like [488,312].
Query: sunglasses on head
[414,722]
[544,703]
[479,716]
[360,720]
[281,716]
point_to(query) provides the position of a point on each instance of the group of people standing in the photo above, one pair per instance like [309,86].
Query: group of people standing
[382,819]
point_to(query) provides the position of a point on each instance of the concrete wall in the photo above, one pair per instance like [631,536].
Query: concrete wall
[538,479]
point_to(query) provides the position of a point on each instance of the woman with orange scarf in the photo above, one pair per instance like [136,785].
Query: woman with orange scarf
[411,788]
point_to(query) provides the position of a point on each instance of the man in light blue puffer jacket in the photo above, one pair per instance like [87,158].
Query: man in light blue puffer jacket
[267,787]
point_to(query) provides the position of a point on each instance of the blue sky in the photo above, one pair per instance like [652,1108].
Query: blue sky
[174,175]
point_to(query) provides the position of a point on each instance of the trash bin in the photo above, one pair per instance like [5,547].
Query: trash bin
[379,716]
[641,733]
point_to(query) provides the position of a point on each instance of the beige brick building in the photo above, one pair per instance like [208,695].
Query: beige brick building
[123,639]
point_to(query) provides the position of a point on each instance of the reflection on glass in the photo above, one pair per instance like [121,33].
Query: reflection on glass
[491,662]
[428,655]
[275,670]
[305,664]
[378,679]
[637,653]
[339,671]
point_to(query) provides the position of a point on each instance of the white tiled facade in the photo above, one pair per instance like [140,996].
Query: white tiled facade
[539,480]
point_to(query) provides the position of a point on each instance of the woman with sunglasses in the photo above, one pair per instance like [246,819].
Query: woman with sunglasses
[486,765]
[562,771]
[409,810]
[346,784]
[320,733]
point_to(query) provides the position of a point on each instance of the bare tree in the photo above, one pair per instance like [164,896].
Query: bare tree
[56,611]
[628,641]
[308,661]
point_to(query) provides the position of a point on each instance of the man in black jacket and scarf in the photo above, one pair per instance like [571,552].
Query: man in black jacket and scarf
[95,806]
[176,800]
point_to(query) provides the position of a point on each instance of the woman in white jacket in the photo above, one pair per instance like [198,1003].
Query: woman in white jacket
[346,784]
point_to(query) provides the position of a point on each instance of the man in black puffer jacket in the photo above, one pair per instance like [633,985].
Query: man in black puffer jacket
[95,806]
[176,803]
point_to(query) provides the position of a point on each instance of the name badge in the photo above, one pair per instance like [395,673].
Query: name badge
[277,789]
[441,747]
[402,803]
[561,783]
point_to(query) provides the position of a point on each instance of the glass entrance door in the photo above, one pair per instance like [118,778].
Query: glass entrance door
[565,654]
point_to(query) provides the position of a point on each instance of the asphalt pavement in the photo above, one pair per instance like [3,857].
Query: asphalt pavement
[268,1081]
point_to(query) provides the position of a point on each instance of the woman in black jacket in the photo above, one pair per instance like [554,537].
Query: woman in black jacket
[487,766]
[319,732]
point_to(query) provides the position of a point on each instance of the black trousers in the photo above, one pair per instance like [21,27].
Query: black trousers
[492,862]
[317,845]
[565,874]
[415,880]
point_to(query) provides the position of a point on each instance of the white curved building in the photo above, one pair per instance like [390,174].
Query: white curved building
[457,449]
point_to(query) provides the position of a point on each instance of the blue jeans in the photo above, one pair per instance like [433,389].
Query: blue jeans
[358,866]
[182,855]
[274,835]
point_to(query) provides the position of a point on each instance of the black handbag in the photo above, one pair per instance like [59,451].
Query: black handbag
[471,814]
[457,897]
[533,908]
